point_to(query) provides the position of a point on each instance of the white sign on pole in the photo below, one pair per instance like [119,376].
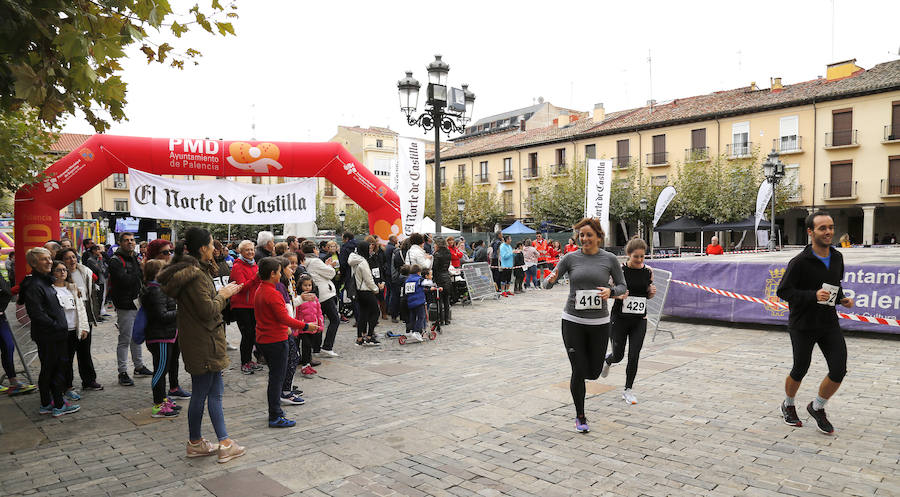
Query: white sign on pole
[411,182]
[221,201]
[762,201]
[597,191]
[662,202]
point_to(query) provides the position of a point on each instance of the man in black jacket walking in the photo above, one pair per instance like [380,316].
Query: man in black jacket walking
[811,287]
[125,283]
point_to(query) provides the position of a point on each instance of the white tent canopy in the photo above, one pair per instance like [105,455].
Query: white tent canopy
[426,225]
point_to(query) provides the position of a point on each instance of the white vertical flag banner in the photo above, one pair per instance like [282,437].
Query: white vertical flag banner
[411,182]
[762,200]
[597,191]
[662,202]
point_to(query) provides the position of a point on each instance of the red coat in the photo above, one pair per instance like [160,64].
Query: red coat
[552,253]
[272,318]
[455,257]
[248,276]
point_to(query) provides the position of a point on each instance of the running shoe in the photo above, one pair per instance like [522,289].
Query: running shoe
[202,448]
[125,380]
[372,342]
[605,371]
[46,409]
[629,397]
[282,422]
[330,353]
[822,422]
[246,368]
[179,393]
[65,409]
[289,399]
[143,371]
[230,347]
[229,452]
[172,405]
[162,410]
[20,388]
[72,395]
[581,424]
[3,389]
[790,415]
[92,386]
[314,363]
[256,366]
[307,371]
[295,390]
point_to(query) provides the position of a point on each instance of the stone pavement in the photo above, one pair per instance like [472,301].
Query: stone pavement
[485,410]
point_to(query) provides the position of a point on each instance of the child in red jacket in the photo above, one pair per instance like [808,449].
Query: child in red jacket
[272,323]
[310,311]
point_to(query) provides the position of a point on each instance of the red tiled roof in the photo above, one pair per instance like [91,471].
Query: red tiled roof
[374,130]
[881,78]
[68,142]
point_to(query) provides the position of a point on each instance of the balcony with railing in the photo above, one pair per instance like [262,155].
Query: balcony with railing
[621,162]
[696,154]
[460,180]
[890,188]
[531,172]
[841,139]
[788,145]
[891,134]
[841,190]
[658,159]
[739,150]
[482,179]
[558,170]
[797,194]
[505,177]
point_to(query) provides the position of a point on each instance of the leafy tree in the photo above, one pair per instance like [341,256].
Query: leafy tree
[560,199]
[326,217]
[356,221]
[626,195]
[24,142]
[483,206]
[60,56]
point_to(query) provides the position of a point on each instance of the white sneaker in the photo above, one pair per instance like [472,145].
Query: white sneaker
[605,371]
[230,347]
[330,353]
[629,397]
[417,336]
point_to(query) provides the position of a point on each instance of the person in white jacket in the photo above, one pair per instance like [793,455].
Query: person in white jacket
[76,317]
[417,254]
[88,291]
[323,275]
[365,296]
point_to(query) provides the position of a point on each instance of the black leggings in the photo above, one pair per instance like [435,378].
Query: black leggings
[246,321]
[162,353]
[330,310]
[81,349]
[53,354]
[7,347]
[831,343]
[632,329]
[368,314]
[586,348]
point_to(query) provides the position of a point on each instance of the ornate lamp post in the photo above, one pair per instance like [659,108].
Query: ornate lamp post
[773,170]
[461,207]
[447,110]
[341,217]
[643,202]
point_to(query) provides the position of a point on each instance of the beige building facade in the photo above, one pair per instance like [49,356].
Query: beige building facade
[374,147]
[839,137]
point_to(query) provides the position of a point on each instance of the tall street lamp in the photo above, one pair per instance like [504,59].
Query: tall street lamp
[341,217]
[773,170]
[643,204]
[461,206]
[447,110]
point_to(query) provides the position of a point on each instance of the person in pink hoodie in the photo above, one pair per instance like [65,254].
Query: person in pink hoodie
[309,310]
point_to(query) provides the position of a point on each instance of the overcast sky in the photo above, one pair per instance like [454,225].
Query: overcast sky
[308,67]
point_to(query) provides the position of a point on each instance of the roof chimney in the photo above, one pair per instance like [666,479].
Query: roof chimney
[562,121]
[843,69]
[753,86]
[776,84]
[651,103]
[599,112]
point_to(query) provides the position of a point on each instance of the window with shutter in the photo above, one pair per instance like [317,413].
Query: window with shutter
[623,156]
[894,175]
[841,128]
[841,179]
[894,132]
[698,138]
[659,150]
[590,151]
[788,140]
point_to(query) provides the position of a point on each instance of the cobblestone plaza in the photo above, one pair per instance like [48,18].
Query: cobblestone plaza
[486,410]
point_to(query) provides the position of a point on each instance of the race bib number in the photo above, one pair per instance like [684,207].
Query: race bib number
[634,305]
[832,294]
[588,300]
[376,272]
[219,283]
[410,287]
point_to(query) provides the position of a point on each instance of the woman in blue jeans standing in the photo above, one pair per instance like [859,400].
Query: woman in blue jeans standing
[201,337]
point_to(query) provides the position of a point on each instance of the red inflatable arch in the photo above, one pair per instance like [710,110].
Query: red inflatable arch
[38,205]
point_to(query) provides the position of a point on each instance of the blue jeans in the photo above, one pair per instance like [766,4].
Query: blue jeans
[276,355]
[206,388]
[419,317]
[531,276]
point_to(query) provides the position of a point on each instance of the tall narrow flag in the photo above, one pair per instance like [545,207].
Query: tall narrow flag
[411,182]
[762,200]
[662,202]
[597,191]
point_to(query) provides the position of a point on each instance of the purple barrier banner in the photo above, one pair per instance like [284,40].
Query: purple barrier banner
[875,291]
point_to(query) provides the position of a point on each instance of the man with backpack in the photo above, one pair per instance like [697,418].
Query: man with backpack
[125,281]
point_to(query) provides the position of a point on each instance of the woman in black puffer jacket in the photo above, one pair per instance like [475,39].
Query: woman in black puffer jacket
[160,335]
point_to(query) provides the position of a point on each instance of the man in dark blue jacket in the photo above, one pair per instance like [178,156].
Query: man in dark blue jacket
[811,287]
[49,331]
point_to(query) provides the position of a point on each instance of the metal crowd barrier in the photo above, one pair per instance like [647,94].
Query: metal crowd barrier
[661,279]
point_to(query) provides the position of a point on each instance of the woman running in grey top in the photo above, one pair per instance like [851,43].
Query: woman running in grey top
[585,319]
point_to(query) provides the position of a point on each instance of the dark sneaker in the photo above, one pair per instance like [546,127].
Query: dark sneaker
[92,386]
[821,420]
[179,393]
[581,425]
[315,363]
[125,380]
[143,371]
[790,415]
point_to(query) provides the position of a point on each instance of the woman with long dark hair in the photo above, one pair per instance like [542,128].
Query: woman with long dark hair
[201,337]
[441,274]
